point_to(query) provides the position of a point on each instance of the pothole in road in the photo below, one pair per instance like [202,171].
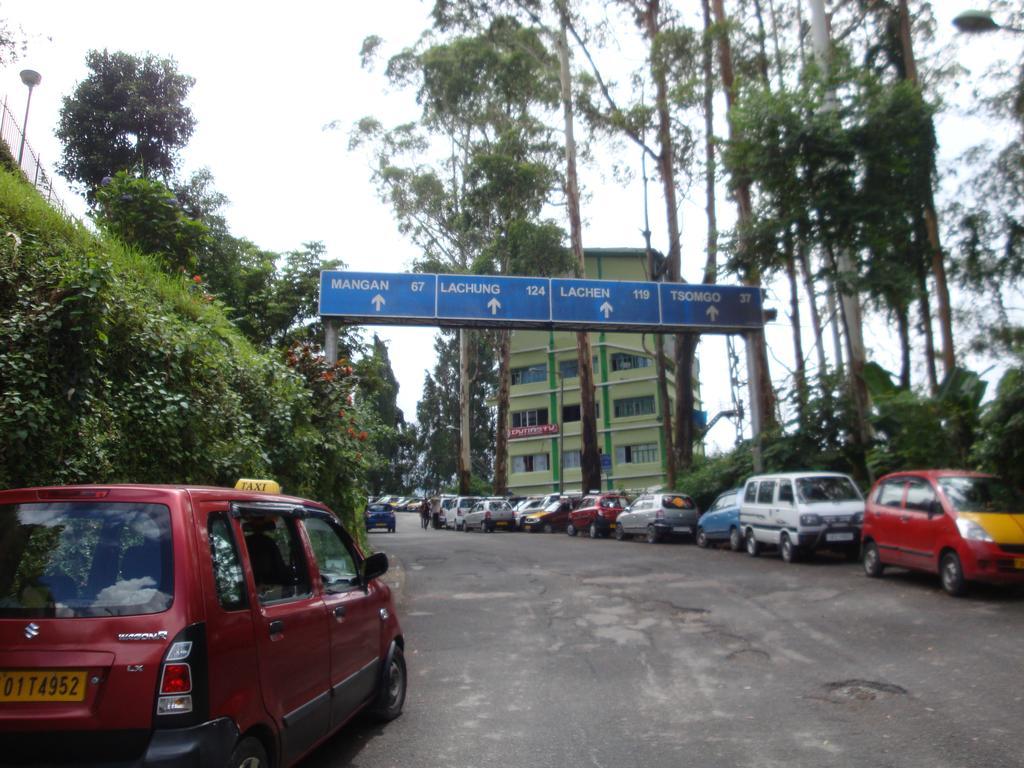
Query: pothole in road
[863,690]
[749,656]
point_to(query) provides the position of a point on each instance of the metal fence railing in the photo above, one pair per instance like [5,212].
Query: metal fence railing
[31,165]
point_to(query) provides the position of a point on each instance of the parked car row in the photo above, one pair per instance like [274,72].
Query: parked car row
[962,526]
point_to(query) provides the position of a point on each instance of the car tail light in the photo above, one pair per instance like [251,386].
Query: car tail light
[177,678]
[487,515]
[660,514]
[182,697]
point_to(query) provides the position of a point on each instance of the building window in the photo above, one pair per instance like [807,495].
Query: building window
[623,361]
[573,413]
[646,453]
[634,406]
[530,418]
[570,369]
[537,462]
[571,459]
[530,374]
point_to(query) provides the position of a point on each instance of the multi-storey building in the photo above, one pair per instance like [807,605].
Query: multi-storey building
[544,406]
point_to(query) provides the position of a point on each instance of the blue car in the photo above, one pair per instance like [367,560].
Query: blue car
[380,516]
[721,522]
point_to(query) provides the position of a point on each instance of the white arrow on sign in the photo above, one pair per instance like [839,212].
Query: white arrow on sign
[494,305]
[377,302]
[712,313]
[606,308]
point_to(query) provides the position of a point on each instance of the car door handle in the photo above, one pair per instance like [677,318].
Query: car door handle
[904,518]
[276,627]
[339,611]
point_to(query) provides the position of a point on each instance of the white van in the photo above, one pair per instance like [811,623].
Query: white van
[800,512]
[448,511]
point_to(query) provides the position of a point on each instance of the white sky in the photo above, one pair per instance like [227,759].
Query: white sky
[269,76]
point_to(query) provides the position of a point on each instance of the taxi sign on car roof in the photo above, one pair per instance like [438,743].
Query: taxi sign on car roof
[264,486]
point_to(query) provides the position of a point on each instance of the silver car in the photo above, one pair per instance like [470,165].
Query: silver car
[657,516]
[463,506]
[489,515]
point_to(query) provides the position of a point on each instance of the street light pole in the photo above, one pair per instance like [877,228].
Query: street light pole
[31,78]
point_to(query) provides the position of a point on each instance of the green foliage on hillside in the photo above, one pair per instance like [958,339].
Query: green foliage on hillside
[113,370]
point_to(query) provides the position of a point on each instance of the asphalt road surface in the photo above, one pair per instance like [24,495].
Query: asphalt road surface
[543,650]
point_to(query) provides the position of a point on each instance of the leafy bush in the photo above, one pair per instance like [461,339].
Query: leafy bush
[1001,446]
[111,370]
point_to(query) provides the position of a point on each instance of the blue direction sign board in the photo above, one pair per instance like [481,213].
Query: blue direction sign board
[606,462]
[605,302]
[538,302]
[711,307]
[503,300]
[374,295]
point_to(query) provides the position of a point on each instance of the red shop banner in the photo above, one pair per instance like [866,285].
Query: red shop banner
[538,430]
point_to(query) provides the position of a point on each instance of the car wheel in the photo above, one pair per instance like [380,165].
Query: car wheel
[873,565]
[735,540]
[702,538]
[753,545]
[787,550]
[549,528]
[249,753]
[391,696]
[652,535]
[952,573]
[620,534]
[570,529]
[595,532]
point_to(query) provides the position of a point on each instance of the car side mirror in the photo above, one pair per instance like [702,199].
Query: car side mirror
[375,566]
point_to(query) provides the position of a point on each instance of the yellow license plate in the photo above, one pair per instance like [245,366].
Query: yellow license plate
[1018,563]
[42,685]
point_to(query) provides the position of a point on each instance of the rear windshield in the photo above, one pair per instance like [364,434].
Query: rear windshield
[981,494]
[81,559]
[818,489]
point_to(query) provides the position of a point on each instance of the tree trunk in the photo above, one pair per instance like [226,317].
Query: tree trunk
[845,269]
[834,319]
[812,303]
[903,328]
[710,165]
[926,327]
[685,344]
[659,361]
[501,434]
[590,460]
[465,463]
[762,397]
[800,372]
[931,219]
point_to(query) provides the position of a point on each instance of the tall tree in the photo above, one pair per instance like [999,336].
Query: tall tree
[479,92]
[391,474]
[128,113]
[762,395]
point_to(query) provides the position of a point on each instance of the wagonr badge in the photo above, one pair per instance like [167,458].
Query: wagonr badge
[159,635]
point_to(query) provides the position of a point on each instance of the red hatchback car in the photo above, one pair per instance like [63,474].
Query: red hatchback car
[596,515]
[155,625]
[965,526]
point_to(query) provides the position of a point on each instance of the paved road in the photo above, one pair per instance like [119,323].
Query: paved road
[541,650]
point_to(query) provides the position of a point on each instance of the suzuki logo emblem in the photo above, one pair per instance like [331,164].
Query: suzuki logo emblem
[32,630]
